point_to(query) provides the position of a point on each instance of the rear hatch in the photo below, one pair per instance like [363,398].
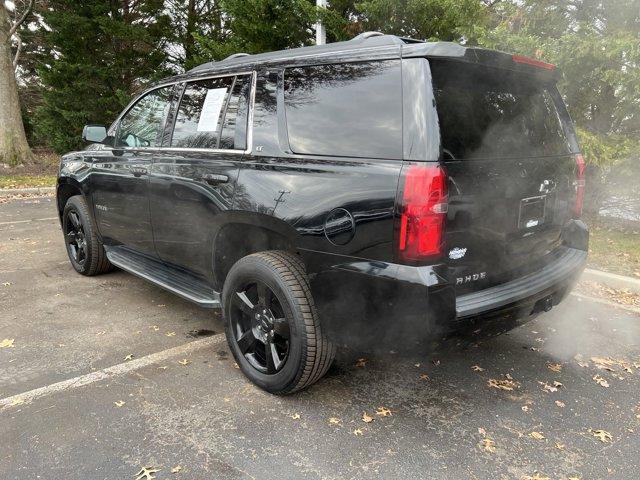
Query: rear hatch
[508,148]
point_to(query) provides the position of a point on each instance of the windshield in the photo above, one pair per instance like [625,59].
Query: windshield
[489,113]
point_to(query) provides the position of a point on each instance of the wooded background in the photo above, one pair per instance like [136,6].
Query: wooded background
[81,60]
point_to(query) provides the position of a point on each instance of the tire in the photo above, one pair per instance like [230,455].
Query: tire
[283,321]
[84,248]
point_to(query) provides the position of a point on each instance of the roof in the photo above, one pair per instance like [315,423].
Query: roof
[366,46]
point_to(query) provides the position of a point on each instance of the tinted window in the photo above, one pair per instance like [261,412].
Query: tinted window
[234,127]
[351,109]
[490,113]
[142,125]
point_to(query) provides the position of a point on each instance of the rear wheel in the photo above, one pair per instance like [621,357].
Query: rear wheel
[272,326]
[84,248]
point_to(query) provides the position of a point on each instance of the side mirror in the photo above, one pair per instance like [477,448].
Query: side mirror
[94,133]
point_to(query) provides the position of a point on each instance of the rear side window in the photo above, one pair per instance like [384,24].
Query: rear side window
[213,114]
[350,109]
[489,113]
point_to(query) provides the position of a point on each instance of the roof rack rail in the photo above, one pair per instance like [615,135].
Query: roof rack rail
[235,55]
[365,35]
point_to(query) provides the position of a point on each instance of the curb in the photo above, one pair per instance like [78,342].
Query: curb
[611,280]
[10,192]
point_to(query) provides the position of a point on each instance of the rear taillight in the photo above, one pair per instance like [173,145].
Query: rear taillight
[422,210]
[579,183]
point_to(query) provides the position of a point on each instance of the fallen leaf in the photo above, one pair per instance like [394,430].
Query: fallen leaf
[424,376]
[119,403]
[296,416]
[602,435]
[357,432]
[361,362]
[509,384]
[129,357]
[417,365]
[6,284]
[366,418]
[155,328]
[176,469]
[184,362]
[477,368]
[548,388]
[383,412]
[101,333]
[560,404]
[525,408]
[555,367]
[537,435]
[601,381]
[488,445]
[170,334]
[560,446]
[146,473]
[7,343]
[536,476]
[557,384]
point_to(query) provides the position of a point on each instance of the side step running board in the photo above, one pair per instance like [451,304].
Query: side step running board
[176,281]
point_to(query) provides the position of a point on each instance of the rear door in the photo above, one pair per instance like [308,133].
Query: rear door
[505,143]
[195,172]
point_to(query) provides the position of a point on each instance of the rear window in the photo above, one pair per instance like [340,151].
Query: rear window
[349,109]
[490,113]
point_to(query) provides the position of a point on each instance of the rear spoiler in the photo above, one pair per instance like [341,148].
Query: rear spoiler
[492,58]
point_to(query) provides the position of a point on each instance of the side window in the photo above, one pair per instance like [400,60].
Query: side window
[143,124]
[350,109]
[213,114]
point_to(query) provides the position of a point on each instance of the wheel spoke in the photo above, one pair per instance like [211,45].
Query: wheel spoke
[74,220]
[244,303]
[272,357]
[280,327]
[246,341]
[264,296]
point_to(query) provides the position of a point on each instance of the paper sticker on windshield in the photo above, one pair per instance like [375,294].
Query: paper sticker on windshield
[211,110]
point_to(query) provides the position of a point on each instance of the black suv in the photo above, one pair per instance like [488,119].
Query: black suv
[379,179]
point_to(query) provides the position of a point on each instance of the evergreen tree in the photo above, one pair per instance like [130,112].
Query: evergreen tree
[102,52]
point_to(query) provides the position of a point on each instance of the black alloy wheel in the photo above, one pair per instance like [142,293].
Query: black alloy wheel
[271,323]
[75,237]
[84,247]
[260,327]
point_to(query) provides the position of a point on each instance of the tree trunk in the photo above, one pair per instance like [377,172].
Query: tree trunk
[14,148]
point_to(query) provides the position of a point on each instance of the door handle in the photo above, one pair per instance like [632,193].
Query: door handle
[138,171]
[214,178]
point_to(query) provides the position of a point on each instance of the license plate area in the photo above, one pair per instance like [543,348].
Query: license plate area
[532,212]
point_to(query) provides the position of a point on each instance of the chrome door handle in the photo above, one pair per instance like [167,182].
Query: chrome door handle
[214,178]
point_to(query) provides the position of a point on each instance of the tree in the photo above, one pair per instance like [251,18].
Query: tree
[103,51]
[14,148]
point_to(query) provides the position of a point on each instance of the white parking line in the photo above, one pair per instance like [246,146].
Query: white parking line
[109,372]
[29,221]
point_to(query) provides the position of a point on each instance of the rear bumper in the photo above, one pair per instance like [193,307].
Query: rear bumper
[551,280]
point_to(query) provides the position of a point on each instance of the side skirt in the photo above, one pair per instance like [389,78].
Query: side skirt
[170,278]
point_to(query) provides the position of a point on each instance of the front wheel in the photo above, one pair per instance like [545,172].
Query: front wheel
[272,326]
[86,253]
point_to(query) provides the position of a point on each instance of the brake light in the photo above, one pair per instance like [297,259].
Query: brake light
[422,212]
[533,61]
[579,183]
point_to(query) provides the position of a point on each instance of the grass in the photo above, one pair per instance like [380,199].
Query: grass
[27,181]
[615,249]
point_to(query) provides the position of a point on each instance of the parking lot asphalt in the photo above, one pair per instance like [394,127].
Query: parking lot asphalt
[107,375]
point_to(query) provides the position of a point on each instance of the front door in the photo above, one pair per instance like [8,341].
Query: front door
[120,175]
[194,175]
